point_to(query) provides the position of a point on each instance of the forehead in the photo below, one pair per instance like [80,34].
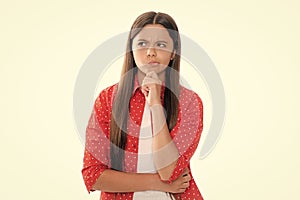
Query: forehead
[155,32]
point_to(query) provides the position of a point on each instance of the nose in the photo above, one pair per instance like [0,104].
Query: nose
[151,52]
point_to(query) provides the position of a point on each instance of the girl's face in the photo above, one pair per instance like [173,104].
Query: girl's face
[153,49]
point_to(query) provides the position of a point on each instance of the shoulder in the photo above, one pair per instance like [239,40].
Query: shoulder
[190,104]
[188,95]
[106,95]
[108,91]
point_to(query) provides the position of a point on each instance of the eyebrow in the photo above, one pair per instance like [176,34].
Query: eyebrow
[162,41]
[156,41]
[141,40]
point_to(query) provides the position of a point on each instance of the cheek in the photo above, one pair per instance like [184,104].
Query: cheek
[138,56]
[165,57]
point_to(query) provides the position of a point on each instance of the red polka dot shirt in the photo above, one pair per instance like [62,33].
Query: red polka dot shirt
[185,134]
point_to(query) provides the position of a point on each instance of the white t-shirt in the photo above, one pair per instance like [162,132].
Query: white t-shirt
[145,162]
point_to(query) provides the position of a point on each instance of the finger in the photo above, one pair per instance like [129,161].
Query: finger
[185,185]
[186,172]
[149,80]
[153,77]
[186,181]
[149,75]
[182,190]
[146,82]
[145,87]
[145,91]
[152,74]
[187,178]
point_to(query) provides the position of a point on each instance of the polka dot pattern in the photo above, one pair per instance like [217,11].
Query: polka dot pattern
[186,135]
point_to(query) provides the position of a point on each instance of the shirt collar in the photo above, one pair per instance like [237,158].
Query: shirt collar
[136,84]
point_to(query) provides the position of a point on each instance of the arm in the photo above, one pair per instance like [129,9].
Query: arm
[186,133]
[165,151]
[97,175]
[115,181]
[173,150]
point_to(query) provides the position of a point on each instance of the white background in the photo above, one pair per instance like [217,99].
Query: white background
[254,44]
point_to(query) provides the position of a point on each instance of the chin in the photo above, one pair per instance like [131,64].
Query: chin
[157,70]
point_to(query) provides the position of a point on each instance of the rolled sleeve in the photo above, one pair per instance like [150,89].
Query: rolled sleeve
[186,134]
[96,152]
[91,170]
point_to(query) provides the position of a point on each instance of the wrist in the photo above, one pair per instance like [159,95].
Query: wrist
[158,114]
[157,184]
[155,103]
[157,107]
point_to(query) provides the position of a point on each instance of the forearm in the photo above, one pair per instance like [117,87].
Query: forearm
[165,151]
[115,181]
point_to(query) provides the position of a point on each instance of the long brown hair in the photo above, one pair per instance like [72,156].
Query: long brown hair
[120,109]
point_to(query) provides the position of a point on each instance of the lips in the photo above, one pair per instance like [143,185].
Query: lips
[153,63]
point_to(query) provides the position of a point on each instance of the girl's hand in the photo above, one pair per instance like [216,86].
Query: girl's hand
[151,88]
[180,184]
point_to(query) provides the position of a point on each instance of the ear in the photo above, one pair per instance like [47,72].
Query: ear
[173,55]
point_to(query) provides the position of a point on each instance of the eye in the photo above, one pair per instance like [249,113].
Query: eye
[141,44]
[161,45]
